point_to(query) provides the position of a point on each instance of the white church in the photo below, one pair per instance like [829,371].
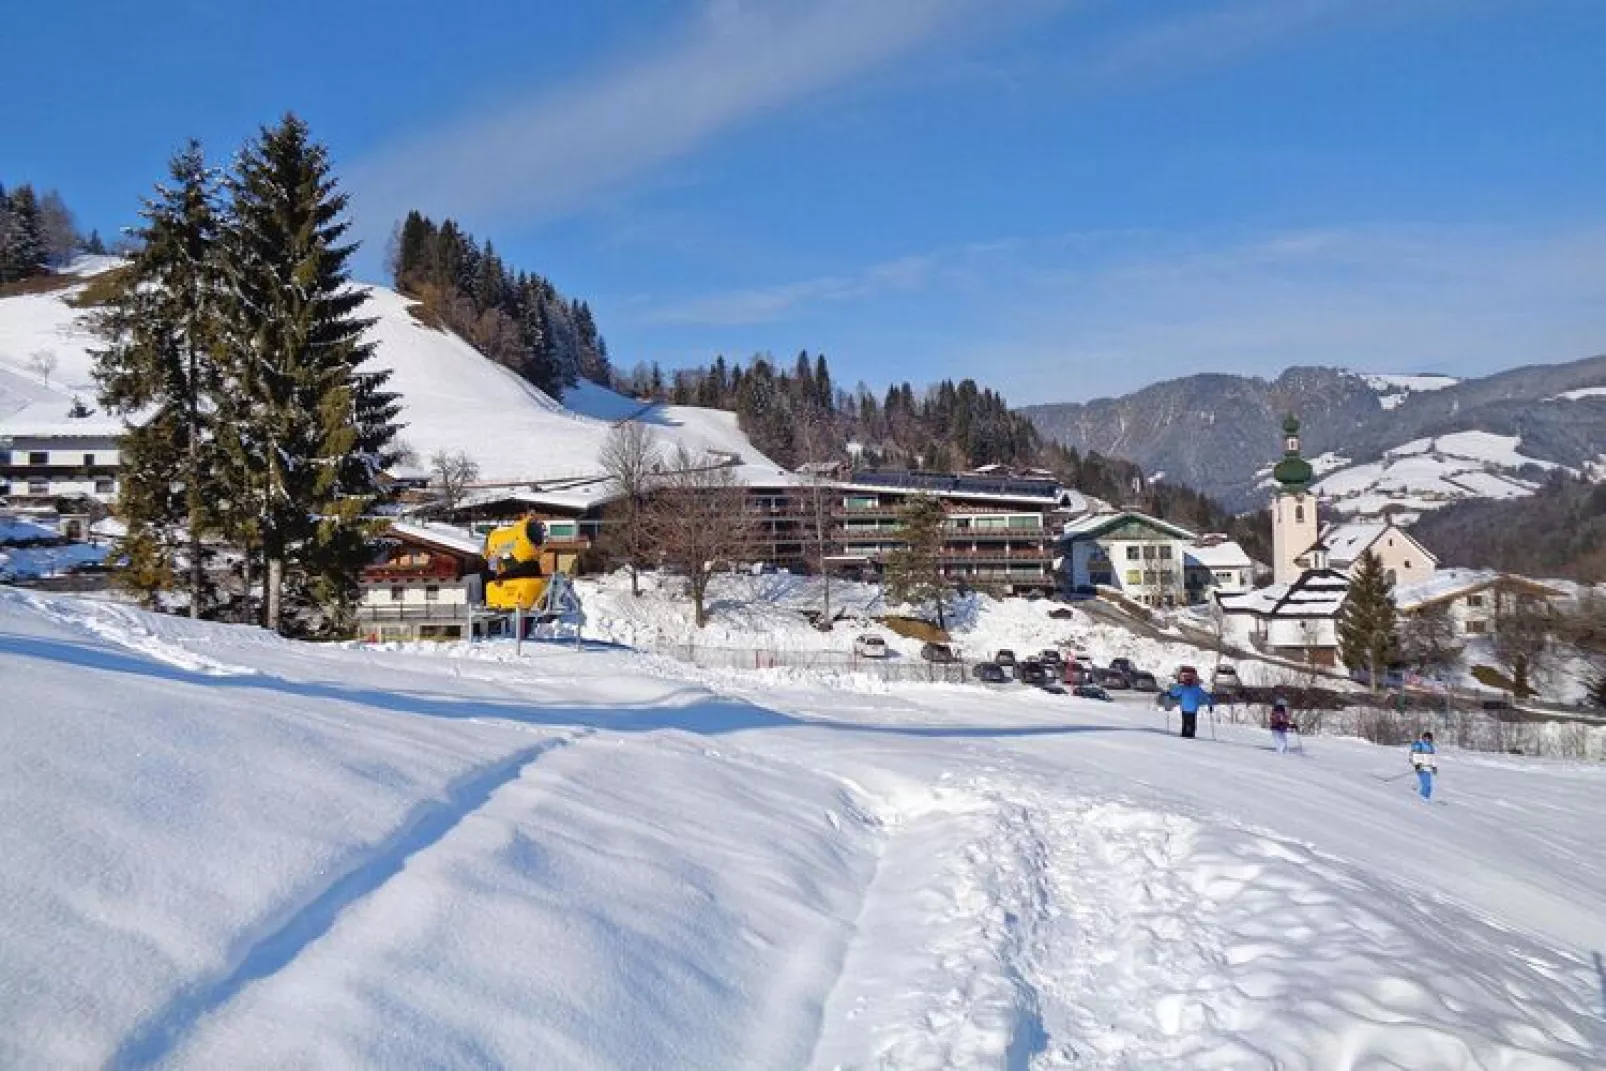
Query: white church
[1296,617]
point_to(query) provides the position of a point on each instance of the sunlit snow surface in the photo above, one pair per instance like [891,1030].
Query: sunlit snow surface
[226,850]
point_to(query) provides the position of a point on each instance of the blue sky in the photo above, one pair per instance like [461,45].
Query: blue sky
[1062,199]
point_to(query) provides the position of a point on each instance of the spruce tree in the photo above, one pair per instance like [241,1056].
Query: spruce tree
[308,426]
[25,240]
[162,334]
[1367,625]
[914,571]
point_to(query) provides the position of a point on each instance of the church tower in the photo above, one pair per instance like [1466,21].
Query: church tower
[1293,509]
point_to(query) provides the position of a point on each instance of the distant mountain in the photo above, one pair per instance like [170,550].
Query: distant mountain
[1402,443]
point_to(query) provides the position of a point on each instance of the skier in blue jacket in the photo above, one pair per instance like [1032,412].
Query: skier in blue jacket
[1187,694]
[1424,756]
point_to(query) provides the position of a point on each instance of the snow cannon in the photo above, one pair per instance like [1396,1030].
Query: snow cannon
[518,564]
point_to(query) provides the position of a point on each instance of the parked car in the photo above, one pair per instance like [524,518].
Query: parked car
[1076,673]
[989,673]
[1111,678]
[1144,682]
[1123,666]
[938,652]
[870,645]
[1062,613]
[1031,671]
[1225,681]
[1090,691]
[1051,657]
[1004,657]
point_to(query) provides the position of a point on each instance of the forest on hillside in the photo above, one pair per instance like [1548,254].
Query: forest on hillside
[514,317]
[1560,531]
[38,233]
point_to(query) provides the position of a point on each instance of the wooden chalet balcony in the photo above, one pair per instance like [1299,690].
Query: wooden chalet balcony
[440,611]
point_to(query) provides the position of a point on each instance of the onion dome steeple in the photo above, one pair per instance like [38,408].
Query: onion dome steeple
[1293,473]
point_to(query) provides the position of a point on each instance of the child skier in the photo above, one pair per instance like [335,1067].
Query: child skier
[1425,758]
[1187,694]
[1280,724]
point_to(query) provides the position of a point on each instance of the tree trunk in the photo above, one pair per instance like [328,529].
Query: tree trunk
[197,574]
[272,586]
[635,580]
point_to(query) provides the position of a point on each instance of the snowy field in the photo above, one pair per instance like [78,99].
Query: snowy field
[1425,474]
[227,850]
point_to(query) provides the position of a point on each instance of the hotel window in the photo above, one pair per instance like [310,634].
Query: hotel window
[39,457]
[89,460]
[1477,628]
[397,593]
[1165,553]
[432,593]
[1474,600]
[1134,576]
[38,487]
[1133,554]
[105,485]
[1299,514]
[1148,553]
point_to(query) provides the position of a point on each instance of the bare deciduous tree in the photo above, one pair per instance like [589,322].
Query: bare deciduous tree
[696,519]
[632,460]
[451,474]
[1428,637]
[1524,627]
[817,506]
[43,364]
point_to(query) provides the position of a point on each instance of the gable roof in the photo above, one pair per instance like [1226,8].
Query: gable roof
[1317,593]
[1095,525]
[441,536]
[1345,543]
[1452,584]
[1224,554]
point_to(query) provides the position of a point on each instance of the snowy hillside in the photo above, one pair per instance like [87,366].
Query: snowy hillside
[1429,473]
[453,398]
[224,849]
[1393,390]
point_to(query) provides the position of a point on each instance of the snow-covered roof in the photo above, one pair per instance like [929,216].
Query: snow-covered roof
[1226,554]
[446,536]
[1455,583]
[1345,543]
[1317,593]
[1094,524]
[577,498]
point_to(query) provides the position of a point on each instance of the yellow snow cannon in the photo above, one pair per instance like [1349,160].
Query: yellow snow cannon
[519,566]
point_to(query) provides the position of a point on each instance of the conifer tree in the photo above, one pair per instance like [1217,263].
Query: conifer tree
[24,239]
[308,427]
[1368,637]
[162,332]
[914,571]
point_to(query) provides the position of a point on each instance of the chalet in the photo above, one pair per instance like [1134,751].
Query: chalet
[1405,560]
[1297,620]
[1471,598]
[1142,557]
[424,584]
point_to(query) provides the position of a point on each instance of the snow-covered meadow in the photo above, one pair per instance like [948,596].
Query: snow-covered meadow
[226,849]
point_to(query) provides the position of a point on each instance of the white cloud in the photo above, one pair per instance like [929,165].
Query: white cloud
[1206,38]
[765,304]
[739,59]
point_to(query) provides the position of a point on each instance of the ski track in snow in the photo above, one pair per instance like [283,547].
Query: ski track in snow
[695,868]
[285,937]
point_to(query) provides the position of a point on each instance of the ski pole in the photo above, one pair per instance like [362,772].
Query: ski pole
[1396,777]
[1212,723]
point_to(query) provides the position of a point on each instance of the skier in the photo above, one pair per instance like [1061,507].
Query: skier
[1187,694]
[1424,758]
[1280,724]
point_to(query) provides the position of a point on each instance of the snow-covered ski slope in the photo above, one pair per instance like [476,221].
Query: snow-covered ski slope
[226,850]
[453,398]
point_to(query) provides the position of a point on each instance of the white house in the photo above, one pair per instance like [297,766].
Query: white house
[1470,597]
[1142,557]
[1405,560]
[1297,621]
[63,458]
[1216,563]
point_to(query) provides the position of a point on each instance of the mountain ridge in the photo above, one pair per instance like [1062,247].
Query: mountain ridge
[1216,431]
